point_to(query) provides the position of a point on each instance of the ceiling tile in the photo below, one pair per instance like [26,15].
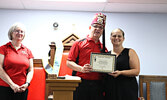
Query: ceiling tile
[157,6]
[51,5]
[120,7]
[15,4]
[139,1]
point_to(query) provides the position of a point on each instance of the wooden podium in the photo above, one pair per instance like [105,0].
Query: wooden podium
[62,88]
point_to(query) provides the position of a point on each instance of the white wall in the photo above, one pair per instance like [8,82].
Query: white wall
[146,33]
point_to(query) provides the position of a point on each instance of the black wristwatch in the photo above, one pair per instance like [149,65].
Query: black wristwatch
[28,83]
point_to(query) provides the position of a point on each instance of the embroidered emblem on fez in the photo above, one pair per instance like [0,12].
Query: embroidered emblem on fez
[99,18]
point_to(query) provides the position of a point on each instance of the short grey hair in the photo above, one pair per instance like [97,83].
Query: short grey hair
[14,27]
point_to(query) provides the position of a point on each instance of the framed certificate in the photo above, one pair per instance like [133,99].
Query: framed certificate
[103,62]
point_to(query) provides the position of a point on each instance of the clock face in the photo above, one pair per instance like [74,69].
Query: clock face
[55,24]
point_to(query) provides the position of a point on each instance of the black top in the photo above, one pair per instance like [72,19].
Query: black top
[122,87]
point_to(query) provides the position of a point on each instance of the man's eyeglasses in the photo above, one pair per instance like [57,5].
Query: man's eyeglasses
[96,26]
[18,31]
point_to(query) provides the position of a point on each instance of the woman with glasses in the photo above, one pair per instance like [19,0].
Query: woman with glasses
[122,84]
[16,66]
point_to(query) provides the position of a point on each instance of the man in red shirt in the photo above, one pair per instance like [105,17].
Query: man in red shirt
[79,60]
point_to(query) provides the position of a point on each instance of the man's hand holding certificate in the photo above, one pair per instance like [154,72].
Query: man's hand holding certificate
[103,62]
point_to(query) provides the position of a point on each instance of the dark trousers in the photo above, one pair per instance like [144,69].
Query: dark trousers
[89,90]
[6,93]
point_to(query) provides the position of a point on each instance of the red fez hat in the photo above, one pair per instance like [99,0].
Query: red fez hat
[99,18]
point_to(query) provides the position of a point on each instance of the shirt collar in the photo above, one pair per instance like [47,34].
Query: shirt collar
[10,44]
[90,39]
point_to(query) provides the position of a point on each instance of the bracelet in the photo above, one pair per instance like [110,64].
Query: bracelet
[27,83]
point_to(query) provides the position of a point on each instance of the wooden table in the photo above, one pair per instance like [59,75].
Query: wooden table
[62,88]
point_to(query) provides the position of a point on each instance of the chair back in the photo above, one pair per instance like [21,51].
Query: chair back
[156,87]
